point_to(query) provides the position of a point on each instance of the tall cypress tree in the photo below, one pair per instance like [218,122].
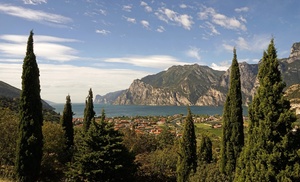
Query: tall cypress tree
[187,160]
[67,125]
[205,150]
[89,112]
[30,141]
[270,153]
[233,131]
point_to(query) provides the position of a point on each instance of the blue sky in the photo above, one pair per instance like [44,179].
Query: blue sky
[105,45]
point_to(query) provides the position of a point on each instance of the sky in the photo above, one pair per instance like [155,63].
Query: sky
[106,44]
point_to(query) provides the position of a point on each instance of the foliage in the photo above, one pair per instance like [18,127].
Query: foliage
[67,125]
[233,131]
[165,138]
[208,172]
[272,149]
[187,159]
[89,112]
[9,135]
[139,143]
[101,156]
[53,152]
[205,154]
[30,141]
[159,165]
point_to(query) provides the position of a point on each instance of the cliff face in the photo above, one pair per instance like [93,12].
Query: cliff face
[140,93]
[201,85]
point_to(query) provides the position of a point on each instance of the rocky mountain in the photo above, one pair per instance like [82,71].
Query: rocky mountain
[201,85]
[179,85]
[107,98]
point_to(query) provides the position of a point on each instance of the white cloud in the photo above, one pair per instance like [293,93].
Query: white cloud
[168,16]
[160,29]
[227,47]
[146,6]
[211,15]
[46,47]
[194,53]
[242,9]
[34,2]
[59,81]
[212,28]
[34,15]
[183,6]
[103,32]
[256,43]
[154,61]
[127,8]
[145,24]
[131,20]
[223,66]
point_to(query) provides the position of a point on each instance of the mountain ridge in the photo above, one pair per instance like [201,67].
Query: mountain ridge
[180,85]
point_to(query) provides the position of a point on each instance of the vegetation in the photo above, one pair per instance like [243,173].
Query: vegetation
[89,113]
[233,131]
[67,125]
[187,159]
[101,156]
[30,140]
[271,150]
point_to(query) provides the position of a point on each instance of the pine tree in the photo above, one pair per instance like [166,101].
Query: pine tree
[270,153]
[89,112]
[187,160]
[102,155]
[30,141]
[233,131]
[67,125]
[205,150]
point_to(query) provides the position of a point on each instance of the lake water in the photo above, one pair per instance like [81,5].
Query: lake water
[136,110]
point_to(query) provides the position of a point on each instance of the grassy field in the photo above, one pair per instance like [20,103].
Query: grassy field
[207,127]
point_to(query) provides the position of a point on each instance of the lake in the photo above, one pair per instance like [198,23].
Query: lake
[137,110]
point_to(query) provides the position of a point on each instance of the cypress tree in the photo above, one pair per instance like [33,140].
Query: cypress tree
[67,125]
[102,155]
[205,150]
[89,112]
[270,153]
[187,160]
[30,140]
[233,131]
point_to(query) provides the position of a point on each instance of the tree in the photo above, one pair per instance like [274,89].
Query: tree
[233,131]
[30,142]
[89,112]
[271,150]
[205,150]
[54,149]
[187,160]
[102,156]
[67,125]
[9,134]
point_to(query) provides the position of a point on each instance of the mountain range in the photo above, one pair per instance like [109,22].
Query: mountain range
[198,85]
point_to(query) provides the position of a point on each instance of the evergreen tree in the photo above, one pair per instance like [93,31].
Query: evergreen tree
[233,131]
[205,150]
[102,156]
[271,150]
[187,160]
[89,112]
[30,141]
[67,125]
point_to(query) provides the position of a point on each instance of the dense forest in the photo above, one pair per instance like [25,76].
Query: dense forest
[38,145]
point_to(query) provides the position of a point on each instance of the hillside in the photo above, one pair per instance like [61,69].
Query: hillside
[8,91]
[201,85]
